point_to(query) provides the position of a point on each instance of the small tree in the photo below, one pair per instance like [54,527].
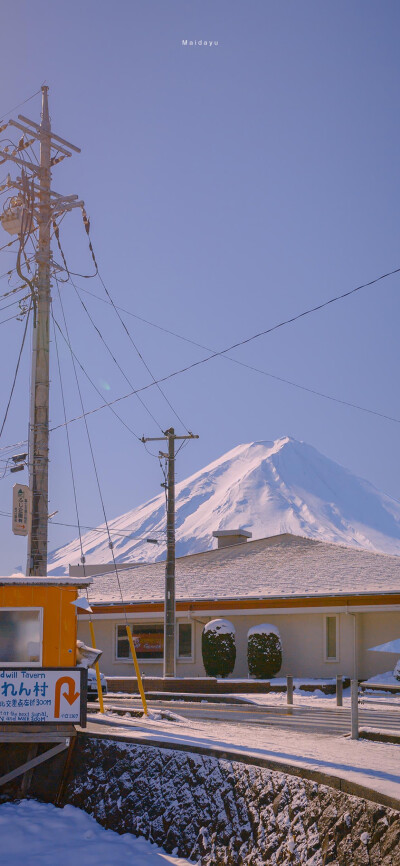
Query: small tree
[218,648]
[264,651]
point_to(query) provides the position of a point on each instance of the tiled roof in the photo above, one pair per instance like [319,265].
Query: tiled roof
[285,566]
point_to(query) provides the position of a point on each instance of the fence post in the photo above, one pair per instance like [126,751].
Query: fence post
[289,690]
[339,691]
[354,709]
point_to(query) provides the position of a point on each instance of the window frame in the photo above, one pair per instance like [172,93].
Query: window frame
[327,658]
[140,624]
[189,658]
[27,663]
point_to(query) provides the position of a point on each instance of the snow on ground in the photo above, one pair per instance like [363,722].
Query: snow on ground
[41,835]
[375,765]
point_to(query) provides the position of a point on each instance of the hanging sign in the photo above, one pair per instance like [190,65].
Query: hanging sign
[21,510]
[42,695]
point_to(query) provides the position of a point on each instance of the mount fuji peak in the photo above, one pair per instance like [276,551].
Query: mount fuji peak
[266,488]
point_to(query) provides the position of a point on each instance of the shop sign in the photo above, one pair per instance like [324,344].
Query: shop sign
[43,695]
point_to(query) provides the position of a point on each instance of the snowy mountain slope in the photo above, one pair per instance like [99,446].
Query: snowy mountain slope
[264,487]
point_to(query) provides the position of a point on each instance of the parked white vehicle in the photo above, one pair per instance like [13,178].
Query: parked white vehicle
[92,692]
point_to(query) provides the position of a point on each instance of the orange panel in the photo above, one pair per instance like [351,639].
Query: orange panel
[59,618]
[68,628]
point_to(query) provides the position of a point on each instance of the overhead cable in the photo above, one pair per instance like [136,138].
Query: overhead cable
[156,382]
[15,373]
[74,356]
[250,366]
[104,341]
[19,105]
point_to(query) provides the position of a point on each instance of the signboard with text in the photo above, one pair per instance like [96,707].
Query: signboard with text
[43,695]
[21,509]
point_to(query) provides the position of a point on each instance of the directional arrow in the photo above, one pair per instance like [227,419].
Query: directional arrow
[71,695]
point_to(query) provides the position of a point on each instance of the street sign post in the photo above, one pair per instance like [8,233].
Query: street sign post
[43,695]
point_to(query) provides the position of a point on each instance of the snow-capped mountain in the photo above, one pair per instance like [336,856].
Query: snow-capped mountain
[264,487]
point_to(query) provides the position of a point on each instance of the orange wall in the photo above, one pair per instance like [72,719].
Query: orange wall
[59,618]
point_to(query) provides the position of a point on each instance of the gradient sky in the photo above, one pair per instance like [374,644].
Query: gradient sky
[229,187]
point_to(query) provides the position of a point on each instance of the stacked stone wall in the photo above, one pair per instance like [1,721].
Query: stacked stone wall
[216,811]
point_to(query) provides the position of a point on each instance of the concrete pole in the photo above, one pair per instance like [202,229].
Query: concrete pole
[39,420]
[354,709]
[339,691]
[289,690]
[170,607]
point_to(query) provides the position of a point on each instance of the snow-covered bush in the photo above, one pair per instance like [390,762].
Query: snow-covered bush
[396,671]
[264,651]
[218,648]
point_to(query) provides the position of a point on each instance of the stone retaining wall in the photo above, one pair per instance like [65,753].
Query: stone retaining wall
[216,811]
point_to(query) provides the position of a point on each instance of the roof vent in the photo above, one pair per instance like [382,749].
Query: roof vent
[229,537]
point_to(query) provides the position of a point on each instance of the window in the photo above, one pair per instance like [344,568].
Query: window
[331,628]
[20,636]
[184,640]
[148,641]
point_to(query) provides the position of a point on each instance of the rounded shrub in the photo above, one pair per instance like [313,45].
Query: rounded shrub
[396,671]
[218,648]
[264,651]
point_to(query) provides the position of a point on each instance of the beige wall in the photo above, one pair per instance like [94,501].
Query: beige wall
[302,641]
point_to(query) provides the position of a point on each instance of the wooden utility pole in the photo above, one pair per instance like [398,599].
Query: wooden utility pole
[169,602]
[33,212]
[39,415]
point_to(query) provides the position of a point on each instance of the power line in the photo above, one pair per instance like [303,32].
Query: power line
[16,372]
[102,338]
[10,318]
[223,352]
[74,356]
[86,223]
[250,366]
[19,105]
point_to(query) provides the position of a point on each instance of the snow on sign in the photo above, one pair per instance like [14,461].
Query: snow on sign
[21,509]
[43,695]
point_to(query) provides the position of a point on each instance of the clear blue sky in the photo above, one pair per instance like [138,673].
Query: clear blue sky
[228,188]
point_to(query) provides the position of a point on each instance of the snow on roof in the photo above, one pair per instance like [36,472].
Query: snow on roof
[284,566]
[22,580]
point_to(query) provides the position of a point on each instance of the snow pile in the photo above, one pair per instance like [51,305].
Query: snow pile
[392,646]
[263,628]
[219,626]
[33,832]
[265,487]
[388,678]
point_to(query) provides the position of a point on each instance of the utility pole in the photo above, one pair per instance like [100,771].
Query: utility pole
[169,599]
[34,211]
[40,381]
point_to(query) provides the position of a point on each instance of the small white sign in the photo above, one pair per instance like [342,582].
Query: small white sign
[40,695]
[21,510]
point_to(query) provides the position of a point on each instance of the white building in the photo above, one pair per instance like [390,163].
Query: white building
[330,603]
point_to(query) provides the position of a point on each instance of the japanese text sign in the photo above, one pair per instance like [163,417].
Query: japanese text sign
[42,695]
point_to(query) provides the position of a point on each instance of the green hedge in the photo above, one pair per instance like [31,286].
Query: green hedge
[219,651]
[264,655]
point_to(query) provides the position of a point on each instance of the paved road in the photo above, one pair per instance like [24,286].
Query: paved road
[308,719]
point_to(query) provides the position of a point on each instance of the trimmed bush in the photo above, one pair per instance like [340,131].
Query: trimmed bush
[396,671]
[264,651]
[218,648]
